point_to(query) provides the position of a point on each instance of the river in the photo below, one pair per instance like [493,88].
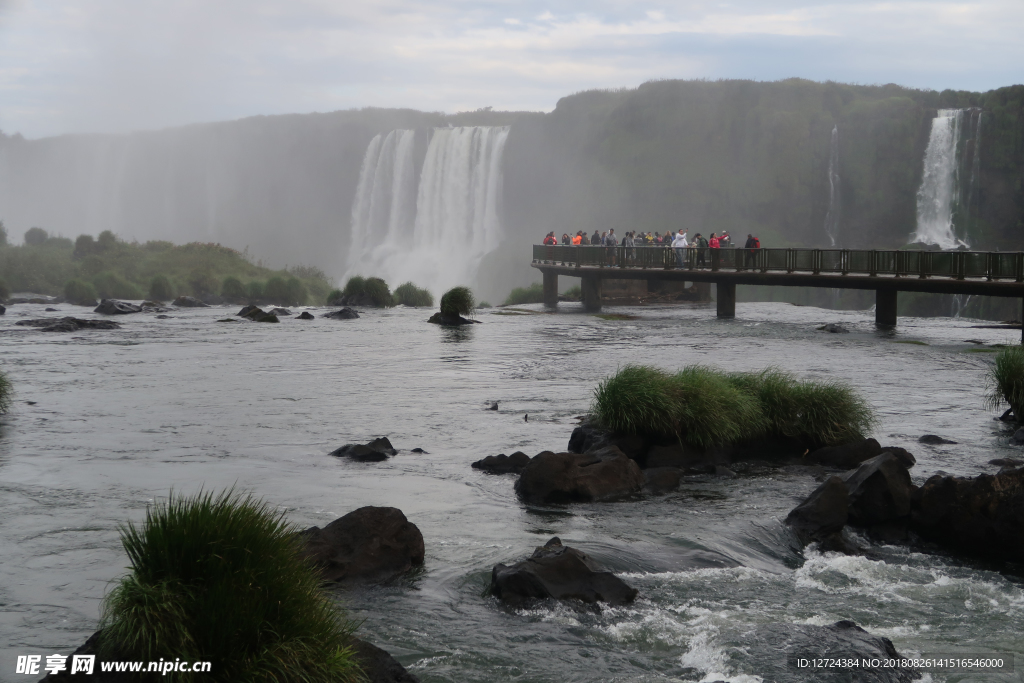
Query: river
[120,418]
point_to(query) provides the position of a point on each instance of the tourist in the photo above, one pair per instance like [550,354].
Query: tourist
[628,243]
[750,254]
[565,239]
[595,239]
[584,239]
[701,245]
[550,239]
[679,244]
[577,238]
[714,242]
[725,241]
[611,242]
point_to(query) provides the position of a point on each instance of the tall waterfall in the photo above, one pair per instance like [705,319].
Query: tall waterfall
[835,199]
[943,202]
[433,230]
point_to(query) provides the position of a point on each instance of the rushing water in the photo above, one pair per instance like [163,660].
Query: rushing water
[120,418]
[835,197]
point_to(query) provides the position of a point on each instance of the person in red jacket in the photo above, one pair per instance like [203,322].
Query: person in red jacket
[713,242]
[550,239]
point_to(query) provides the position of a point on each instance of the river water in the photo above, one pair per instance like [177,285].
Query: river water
[121,418]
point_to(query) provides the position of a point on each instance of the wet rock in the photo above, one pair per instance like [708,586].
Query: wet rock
[494,406]
[934,440]
[69,324]
[190,302]
[586,437]
[250,310]
[905,457]
[441,319]
[279,311]
[880,491]
[722,471]
[419,450]
[268,318]
[658,480]
[3,309]
[822,513]
[503,464]
[983,516]
[115,307]
[342,314]
[378,665]
[51,310]
[1018,437]
[834,328]
[374,451]
[846,456]
[776,647]
[604,474]
[163,317]
[305,315]
[257,314]
[559,572]
[1006,462]
[368,545]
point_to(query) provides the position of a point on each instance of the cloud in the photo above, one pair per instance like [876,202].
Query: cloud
[116,65]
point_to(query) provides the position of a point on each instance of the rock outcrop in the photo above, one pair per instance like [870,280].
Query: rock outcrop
[503,464]
[115,307]
[368,545]
[279,311]
[603,474]
[69,324]
[880,491]
[374,451]
[441,319]
[190,302]
[559,572]
[305,315]
[379,666]
[823,513]
[341,314]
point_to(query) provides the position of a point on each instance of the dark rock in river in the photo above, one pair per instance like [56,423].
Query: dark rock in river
[51,310]
[440,319]
[587,436]
[934,440]
[190,302]
[982,516]
[823,513]
[69,324]
[604,474]
[342,314]
[378,665]
[659,480]
[1018,437]
[503,464]
[880,491]
[846,456]
[368,545]
[1006,462]
[305,315]
[559,572]
[250,310]
[115,307]
[834,328]
[268,318]
[89,647]
[374,451]
[279,311]
[776,647]
[2,309]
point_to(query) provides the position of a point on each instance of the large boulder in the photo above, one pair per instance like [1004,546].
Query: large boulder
[69,324]
[846,456]
[305,315]
[368,545]
[823,513]
[115,307]
[880,490]
[604,474]
[3,309]
[441,319]
[378,665]
[190,302]
[559,572]
[342,314]
[982,516]
[503,464]
[658,480]
[374,451]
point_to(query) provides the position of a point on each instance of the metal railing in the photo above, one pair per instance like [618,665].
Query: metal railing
[991,265]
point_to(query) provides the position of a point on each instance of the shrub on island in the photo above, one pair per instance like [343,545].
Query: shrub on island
[5,393]
[534,294]
[233,291]
[368,291]
[80,293]
[110,285]
[455,303]
[222,579]
[704,407]
[1006,380]
[160,289]
[411,295]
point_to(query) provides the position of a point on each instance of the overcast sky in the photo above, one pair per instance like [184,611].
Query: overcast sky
[122,65]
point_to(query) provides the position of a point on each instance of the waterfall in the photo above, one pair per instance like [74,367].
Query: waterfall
[943,204]
[835,204]
[433,232]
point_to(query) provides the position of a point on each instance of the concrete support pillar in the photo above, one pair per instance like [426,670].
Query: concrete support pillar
[550,289]
[1022,322]
[885,307]
[591,289]
[726,300]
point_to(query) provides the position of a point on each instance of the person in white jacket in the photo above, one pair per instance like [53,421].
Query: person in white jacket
[679,243]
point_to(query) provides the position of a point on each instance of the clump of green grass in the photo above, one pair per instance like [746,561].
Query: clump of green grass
[5,393]
[80,293]
[534,294]
[574,293]
[1006,380]
[334,297]
[409,294]
[373,289]
[233,290]
[457,301]
[705,407]
[160,289]
[222,579]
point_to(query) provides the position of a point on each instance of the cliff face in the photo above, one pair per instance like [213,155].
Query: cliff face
[709,156]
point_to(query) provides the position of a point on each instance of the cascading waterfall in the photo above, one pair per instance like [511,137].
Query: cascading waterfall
[943,204]
[438,239]
[835,204]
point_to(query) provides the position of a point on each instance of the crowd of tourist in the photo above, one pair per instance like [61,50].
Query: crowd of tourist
[678,242]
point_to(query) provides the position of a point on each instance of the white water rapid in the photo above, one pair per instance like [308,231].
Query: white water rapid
[939,194]
[835,204]
[434,230]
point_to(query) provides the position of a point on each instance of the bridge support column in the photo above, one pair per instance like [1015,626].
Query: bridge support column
[885,307]
[550,289]
[591,290]
[726,300]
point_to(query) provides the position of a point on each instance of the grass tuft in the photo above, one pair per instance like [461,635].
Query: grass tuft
[5,393]
[534,294]
[411,295]
[373,288]
[457,301]
[1006,380]
[221,578]
[705,407]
